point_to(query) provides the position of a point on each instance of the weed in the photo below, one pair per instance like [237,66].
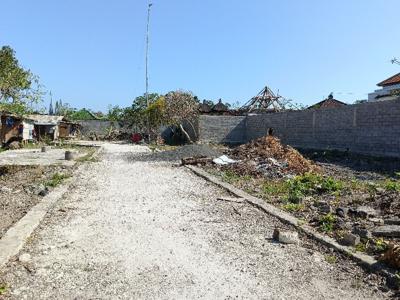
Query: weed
[332,259]
[361,247]
[392,185]
[3,289]
[309,184]
[293,207]
[327,222]
[380,245]
[274,188]
[230,176]
[56,179]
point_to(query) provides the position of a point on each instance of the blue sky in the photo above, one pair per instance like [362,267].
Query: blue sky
[90,53]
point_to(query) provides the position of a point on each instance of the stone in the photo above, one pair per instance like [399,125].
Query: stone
[362,232]
[286,237]
[324,207]
[366,211]
[350,239]
[342,224]
[387,231]
[44,192]
[377,221]
[392,221]
[342,211]
[24,258]
[14,145]
[5,190]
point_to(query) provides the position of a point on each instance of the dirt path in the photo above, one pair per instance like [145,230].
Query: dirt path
[149,231]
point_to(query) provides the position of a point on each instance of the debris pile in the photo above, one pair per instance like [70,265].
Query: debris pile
[269,157]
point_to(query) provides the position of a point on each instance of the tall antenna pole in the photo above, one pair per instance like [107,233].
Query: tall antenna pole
[147,54]
[147,67]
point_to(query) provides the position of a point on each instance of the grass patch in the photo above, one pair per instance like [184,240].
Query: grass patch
[310,184]
[274,188]
[332,259]
[56,179]
[293,207]
[392,185]
[230,176]
[327,223]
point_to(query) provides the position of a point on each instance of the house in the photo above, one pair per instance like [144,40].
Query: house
[329,102]
[15,128]
[53,127]
[390,89]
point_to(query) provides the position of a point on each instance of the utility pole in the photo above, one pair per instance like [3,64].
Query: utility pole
[147,64]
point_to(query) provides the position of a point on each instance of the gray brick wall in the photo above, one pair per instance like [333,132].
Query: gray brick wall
[369,128]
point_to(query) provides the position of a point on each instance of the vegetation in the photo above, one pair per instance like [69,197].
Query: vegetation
[293,207]
[309,184]
[327,222]
[56,179]
[20,89]
[332,259]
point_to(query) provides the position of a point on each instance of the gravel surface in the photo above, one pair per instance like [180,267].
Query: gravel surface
[144,230]
[179,153]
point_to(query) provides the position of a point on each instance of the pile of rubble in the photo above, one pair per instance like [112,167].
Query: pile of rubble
[268,157]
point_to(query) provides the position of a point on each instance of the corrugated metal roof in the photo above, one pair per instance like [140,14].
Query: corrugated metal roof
[44,119]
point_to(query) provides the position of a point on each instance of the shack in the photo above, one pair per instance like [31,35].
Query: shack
[53,127]
[15,128]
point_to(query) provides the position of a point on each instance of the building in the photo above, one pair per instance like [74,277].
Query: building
[53,127]
[329,102]
[35,127]
[390,89]
[15,128]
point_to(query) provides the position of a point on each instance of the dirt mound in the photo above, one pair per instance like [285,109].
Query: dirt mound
[269,156]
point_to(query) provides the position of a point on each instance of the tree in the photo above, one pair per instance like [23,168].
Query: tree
[115,113]
[180,107]
[19,88]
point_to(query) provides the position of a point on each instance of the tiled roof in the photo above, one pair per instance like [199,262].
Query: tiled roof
[327,103]
[395,79]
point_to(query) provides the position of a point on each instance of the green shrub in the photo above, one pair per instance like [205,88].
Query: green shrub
[327,222]
[392,185]
[309,184]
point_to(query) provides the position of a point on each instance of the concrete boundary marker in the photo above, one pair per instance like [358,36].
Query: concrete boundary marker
[362,259]
[16,236]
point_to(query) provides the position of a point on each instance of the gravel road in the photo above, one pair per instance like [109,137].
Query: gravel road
[143,230]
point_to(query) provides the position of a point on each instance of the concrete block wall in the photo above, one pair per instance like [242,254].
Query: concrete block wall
[371,128]
[222,129]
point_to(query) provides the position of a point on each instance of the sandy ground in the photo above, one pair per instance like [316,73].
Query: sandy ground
[142,230]
[29,157]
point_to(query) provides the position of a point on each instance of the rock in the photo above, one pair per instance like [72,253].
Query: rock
[71,155]
[387,231]
[380,190]
[350,239]
[24,258]
[362,232]
[366,211]
[286,237]
[377,221]
[44,192]
[392,221]
[324,207]
[342,224]
[5,190]
[14,145]
[342,211]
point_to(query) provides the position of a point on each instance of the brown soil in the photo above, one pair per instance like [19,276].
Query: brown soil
[19,186]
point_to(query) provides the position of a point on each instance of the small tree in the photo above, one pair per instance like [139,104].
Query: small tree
[180,107]
[19,88]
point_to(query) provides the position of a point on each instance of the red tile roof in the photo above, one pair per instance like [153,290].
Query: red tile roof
[395,79]
[328,103]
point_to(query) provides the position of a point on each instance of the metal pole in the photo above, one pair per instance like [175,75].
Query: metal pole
[147,64]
